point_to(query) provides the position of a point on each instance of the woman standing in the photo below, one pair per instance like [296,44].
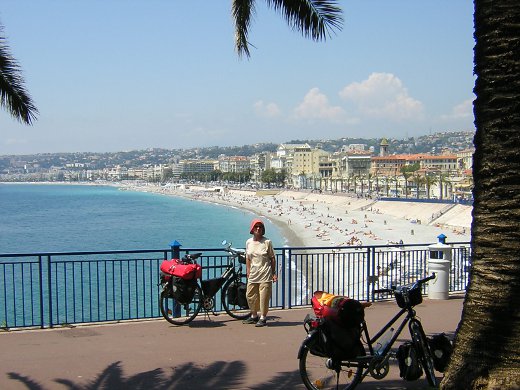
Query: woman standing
[261,273]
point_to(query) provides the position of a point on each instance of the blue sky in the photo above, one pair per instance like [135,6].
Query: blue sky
[118,75]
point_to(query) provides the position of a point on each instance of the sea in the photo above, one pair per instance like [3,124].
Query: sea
[43,218]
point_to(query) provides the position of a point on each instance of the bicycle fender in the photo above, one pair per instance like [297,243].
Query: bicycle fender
[311,336]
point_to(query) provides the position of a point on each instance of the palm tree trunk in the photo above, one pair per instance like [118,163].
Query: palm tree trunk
[487,348]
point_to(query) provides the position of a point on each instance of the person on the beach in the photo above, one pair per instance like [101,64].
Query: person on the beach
[261,273]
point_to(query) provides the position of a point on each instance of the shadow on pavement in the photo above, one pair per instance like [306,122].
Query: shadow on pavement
[219,375]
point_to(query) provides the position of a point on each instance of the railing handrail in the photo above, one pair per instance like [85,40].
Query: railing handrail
[195,249]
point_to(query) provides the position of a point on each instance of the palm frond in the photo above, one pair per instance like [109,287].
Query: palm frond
[242,11]
[315,19]
[13,96]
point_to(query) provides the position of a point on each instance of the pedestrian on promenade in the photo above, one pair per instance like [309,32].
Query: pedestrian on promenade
[261,273]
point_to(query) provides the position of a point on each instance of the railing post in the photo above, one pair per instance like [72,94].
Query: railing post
[176,249]
[286,266]
[40,265]
[370,266]
[49,281]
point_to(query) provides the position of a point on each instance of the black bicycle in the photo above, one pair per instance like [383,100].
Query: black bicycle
[319,369]
[180,304]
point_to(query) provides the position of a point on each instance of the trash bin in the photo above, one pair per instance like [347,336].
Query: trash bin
[439,262]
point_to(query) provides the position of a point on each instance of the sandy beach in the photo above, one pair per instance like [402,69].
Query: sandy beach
[313,220]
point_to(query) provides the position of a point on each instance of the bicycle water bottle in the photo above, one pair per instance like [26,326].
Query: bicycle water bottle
[383,341]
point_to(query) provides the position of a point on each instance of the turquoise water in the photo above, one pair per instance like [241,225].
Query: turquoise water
[62,218]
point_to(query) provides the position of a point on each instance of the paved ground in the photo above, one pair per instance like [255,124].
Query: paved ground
[219,353]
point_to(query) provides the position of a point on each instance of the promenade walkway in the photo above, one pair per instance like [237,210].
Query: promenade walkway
[219,353]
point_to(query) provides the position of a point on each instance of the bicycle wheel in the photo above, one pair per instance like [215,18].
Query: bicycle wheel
[180,314]
[423,350]
[318,374]
[233,309]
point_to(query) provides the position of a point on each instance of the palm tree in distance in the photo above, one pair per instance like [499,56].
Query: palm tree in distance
[13,96]
[429,181]
[406,176]
[315,19]
[443,177]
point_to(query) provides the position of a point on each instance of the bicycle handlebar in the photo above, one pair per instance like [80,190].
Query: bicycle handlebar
[393,288]
[236,252]
[424,280]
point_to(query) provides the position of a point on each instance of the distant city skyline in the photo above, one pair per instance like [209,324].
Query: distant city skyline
[435,144]
[115,76]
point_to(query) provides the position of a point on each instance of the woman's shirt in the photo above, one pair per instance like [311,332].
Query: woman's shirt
[260,254]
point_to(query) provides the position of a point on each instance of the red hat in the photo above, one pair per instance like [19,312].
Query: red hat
[254,223]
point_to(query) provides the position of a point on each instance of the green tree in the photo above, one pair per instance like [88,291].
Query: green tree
[281,176]
[443,177]
[13,96]
[419,181]
[388,180]
[429,181]
[269,176]
[406,176]
[408,171]
[166,175]
[412,168]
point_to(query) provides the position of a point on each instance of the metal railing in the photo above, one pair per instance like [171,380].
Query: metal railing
[50,289]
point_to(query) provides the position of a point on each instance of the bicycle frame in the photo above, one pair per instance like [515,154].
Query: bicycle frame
[410,314]
[210,287]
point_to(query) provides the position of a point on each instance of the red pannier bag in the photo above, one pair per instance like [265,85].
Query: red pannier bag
[340,309]
[183,270]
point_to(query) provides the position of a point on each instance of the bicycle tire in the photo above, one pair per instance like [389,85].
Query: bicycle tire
[180,314]
[316,375]
[235,311]
[423,350]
